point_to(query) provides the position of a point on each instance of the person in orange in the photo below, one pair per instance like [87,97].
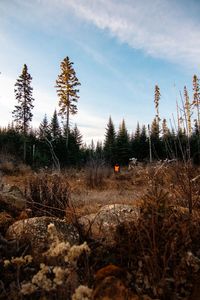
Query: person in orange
[116,168]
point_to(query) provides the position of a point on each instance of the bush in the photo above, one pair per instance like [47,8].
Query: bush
[161,250]
[48,195]
[96,172]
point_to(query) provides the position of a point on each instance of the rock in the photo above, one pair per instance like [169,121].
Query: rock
[34,232]
[102,225]
[12,199]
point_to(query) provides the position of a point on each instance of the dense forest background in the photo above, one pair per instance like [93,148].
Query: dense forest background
[56,144]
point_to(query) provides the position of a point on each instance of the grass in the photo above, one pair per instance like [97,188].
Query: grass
[160,251]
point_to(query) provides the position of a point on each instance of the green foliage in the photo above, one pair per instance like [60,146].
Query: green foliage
[110,143]
[123,145]
[54,127]
[44,130]
[23,93]
[67,91]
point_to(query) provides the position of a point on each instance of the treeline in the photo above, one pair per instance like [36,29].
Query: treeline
[60,146]
[46,146]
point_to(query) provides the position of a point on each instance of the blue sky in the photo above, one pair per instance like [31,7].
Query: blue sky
[120,50]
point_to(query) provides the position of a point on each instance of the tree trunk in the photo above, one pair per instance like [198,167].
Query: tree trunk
[24,155]
[67,129]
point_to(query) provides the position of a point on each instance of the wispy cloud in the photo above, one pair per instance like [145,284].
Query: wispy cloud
[160,28]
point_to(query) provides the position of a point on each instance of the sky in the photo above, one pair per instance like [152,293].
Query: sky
[120,50]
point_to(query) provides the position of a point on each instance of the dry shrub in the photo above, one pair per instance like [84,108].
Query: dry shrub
[96,172]
[161,250]
[23,169]
[8,167]
[182,180]
[186,185]
[48,195]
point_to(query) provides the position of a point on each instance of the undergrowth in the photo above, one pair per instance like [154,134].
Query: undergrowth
[48,195]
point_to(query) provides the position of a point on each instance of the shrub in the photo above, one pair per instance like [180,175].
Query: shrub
[161,249]
[96,172]
[48,195]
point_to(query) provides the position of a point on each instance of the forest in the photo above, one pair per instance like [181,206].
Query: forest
[73,229]
[56,145]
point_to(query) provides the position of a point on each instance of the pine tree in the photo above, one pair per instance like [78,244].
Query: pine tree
[156,101]
[196,99]
[135,142]
[187,108]
[143,144]
[77,136]
[110,142]
[44,131]
[55,127]
[75,143]
[22,112]
[165,129]
[155,129]
[67,91]
[137,132]
[99,150]
[123,144]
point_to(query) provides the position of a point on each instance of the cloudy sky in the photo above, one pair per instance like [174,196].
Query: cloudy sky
[120,50]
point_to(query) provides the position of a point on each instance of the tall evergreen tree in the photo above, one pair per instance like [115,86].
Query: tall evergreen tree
[135,142]
[137,132]
[55,130]
[44,130]
[155,140]
[22,112]
[67,91]
[144,147]
[187,108]
[196,99]
[156,101]
[155,129]
[99,150]
[165,129]
[123,144]
[77,136]
[110,142]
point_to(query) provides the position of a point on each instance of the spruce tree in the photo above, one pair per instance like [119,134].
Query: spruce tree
[22,112]
[67,91]
[77,136]
[135,142]
[165,129]
[99,150]
[187,108]
[123,144]
[196,99]
[44,130]
[55,130]
[156,101]
[110,142]
[144,148]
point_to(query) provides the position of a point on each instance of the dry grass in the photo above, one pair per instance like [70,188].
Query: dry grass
[161,250]
[48,195]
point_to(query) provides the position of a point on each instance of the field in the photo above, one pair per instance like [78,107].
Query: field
[137,233]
